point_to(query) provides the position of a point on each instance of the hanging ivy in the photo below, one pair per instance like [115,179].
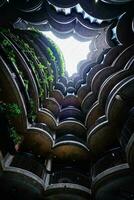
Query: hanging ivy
[15,136]
[11,110]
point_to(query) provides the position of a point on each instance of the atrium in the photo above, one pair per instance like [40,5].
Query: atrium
[64,134]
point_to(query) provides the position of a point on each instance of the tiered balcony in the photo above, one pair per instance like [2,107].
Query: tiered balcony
[22,176]
[110,173]
[68,184]
[70,147]
[62,119]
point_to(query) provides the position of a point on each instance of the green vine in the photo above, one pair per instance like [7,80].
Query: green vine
[15,136]
[43,68]
[32,114]
[11,110]
[6,44]
[50,53]
[60,60]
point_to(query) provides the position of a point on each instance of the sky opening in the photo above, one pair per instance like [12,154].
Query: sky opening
[73,51]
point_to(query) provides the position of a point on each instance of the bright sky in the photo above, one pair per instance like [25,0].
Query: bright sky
[73,51]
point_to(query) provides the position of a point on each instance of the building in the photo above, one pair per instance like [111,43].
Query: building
[60,137]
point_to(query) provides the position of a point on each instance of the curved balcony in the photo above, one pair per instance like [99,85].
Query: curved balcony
[26,72]
[27,6]
[100,77]
[69,147]
[40,12]
[57,65]
[125,21]
[112,81]
[112,178]
[70,90]
[71,112]
[37,140]
[102,11]
[87,102]
[116,185]
[69,176]
[124,57]
[130,151]
[22,177]
[68,184]
[39,65]
[112,54]
[63,3]
[93,70]
[82,92]
[46,117]
[2,3]
[63,80]
[71,127]
[120,100]
[67,191]
[52,105]
[108,160]
[12,94]
[60,16]
[44,44]
[70,83]
[79,83]
[69,137]
[111,37]
[60,86]
[94,113]
[7,144]
[103,74]
[28,162]
[85,31]
[102,136]
[71,100]
[75,78]
[83,68]
[57,94]
[127,129]
[98,108]
[118,2]
[36,17]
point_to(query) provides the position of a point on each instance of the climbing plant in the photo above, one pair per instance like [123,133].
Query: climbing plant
[60,62]
[11,110]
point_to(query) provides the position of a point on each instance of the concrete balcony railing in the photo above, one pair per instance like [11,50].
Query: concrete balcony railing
[29,162]
[70,176]
[70,147]
[22,175]
[110,159]
[111,177]
[68,184]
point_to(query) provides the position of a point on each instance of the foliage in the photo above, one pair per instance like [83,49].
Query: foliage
[32,113]
[50,53]
[15,136]
[43,71]
[6,43]
[9,51]
[26,82]
[4,30]
[42,66]
[60,62]
[12,57]
[34,29]
[11,109]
